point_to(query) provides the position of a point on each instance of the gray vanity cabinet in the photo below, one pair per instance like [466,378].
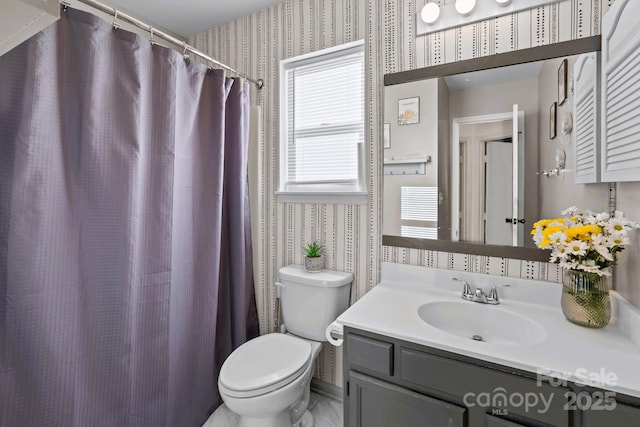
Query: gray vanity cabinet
[390,382]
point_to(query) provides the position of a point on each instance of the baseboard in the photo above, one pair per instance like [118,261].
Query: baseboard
[325,389]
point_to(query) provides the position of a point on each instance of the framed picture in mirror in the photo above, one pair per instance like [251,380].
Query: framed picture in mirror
[553,114]
[562,82]
[409,111]
[387,136]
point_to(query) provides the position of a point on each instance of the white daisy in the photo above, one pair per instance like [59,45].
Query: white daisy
[559,254]
[571,211]
[601,218]
[590,266]
[617,239]
[537,238]
[559,238]
[615,225]
[599,243]
[569,265]
[577,247]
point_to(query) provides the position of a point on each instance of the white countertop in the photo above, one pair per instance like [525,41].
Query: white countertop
[608,358]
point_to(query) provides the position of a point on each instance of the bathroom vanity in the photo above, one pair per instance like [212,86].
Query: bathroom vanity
[393,382]
[404,368]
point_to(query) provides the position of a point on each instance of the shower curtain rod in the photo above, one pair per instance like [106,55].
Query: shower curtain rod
[168,37]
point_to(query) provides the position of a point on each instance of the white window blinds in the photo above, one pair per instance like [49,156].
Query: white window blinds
[419,203]
[323,138]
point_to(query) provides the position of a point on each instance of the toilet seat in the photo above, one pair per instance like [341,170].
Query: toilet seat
[264,364]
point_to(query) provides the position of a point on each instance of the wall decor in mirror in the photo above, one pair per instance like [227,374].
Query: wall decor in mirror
[486,124]
[562,82]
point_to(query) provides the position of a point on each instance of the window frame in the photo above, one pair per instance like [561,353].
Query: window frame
[324,192]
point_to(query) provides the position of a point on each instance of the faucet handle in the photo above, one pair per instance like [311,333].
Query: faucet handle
[466,291]
[493,293]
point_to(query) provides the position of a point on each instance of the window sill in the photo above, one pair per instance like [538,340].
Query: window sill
[346,198]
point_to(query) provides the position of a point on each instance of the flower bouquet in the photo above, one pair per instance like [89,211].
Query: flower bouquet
[582,240]
[586,246]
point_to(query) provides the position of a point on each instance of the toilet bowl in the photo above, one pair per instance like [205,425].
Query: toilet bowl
[266,381]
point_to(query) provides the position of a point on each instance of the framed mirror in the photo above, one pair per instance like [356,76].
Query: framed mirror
[463,174]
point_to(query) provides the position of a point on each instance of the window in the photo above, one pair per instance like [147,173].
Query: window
[322,126]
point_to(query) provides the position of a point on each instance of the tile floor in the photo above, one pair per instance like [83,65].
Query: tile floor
[327,412]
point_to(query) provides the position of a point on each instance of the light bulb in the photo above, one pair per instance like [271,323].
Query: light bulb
[503,3]
[430,13]
[465,7]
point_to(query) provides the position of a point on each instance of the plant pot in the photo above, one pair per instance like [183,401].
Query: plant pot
[585,298]
[314,265]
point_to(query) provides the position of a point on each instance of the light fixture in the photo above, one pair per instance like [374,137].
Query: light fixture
[465,7]
[558,171]
[430,13]
[433,17]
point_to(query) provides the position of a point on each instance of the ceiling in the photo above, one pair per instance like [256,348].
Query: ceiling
[185,18]
[493,76]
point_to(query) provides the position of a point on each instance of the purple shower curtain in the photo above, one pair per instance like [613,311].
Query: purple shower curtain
[125,256]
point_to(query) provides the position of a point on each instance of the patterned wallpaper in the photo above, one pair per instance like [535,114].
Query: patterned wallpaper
[255,44]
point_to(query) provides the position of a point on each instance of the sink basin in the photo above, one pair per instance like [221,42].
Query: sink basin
[482,322]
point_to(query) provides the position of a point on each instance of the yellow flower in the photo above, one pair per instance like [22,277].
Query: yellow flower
[595,229]
[545,242]
[583,232]
[551,229]
[545,222]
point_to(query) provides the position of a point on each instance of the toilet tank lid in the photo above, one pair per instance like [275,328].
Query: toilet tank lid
[324,278]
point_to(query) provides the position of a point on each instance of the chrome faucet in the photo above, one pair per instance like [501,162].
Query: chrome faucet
[479,295]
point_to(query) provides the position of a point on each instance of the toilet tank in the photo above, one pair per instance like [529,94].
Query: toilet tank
[311,301]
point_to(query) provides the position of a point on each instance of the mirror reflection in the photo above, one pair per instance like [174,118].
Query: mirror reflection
[489,133]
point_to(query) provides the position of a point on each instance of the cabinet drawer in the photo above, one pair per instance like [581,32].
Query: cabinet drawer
[370,354]
[486,388]
[376,403]
[491,421]
[620,416]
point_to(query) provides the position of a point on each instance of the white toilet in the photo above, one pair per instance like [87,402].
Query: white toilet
[266,380]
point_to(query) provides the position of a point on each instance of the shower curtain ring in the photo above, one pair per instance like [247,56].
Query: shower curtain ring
[153,43]
[115,19]
[185,54]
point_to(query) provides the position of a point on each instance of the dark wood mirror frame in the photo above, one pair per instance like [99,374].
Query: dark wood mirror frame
[556,50]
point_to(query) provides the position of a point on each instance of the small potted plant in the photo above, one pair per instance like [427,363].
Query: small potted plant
[313,257]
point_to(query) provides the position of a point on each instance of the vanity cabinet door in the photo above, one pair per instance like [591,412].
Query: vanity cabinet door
[485,390]
[376,403]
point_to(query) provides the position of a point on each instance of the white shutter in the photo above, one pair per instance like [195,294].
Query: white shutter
[621,92]
[323,137]
[586,129]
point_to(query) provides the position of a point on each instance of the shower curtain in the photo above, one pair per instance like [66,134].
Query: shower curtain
[125,258]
